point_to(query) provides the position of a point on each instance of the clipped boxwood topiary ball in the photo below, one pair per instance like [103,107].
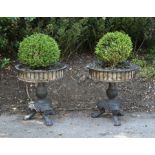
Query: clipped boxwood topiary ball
[38,50]
[114,48]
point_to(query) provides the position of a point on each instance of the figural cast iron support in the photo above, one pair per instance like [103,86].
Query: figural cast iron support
[112,76]
[111,105]
[42,105]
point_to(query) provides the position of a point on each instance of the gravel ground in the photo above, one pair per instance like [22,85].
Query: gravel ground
[79,125]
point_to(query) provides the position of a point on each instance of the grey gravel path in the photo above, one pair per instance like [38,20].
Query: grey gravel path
[78,125]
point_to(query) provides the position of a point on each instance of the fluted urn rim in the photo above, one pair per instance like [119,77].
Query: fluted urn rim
[107,74]
[22,67]
[95,66]
[40,75]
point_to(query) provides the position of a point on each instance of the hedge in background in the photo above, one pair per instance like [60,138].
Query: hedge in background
[140,29]
[12,31]
[74,35]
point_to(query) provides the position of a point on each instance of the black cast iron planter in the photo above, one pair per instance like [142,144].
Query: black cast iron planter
[42,105]
[112,76]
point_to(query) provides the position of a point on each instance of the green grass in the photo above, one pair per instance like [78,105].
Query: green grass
[4,62]
[147,64]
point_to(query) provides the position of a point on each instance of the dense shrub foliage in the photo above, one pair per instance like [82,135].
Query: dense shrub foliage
[114,48]
[74,35]
[38,50]
[139,29]
[4,62]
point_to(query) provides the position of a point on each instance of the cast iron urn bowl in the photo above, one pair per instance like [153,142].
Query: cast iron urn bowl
[97,72]
[40,77]
[112,76]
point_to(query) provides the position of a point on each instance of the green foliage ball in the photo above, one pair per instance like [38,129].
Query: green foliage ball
[38,50]
[114,48]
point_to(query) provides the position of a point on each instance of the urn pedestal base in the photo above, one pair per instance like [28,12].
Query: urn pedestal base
[112,105]
[42,105]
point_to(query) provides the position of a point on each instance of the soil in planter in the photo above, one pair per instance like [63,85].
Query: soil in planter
[75,91]
[101,65]
[51,67]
